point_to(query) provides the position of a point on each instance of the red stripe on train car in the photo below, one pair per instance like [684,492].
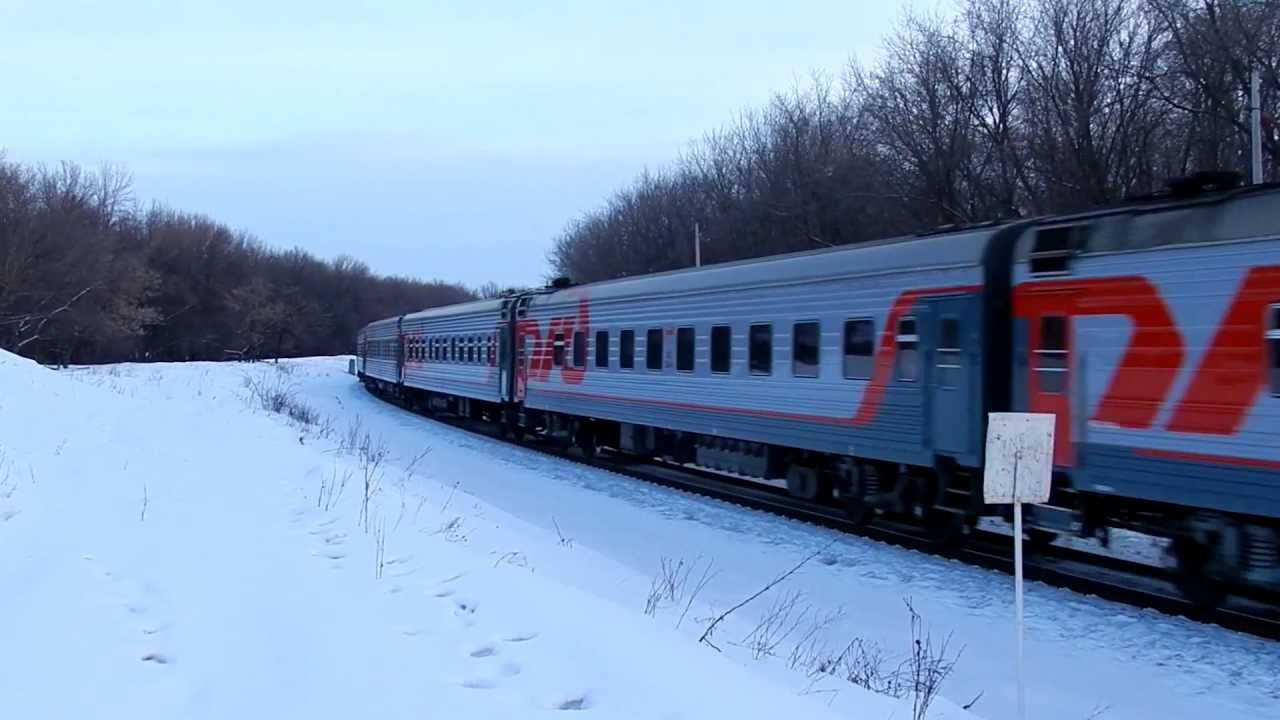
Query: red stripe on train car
[872,397]
[1232,372]
[1208,459]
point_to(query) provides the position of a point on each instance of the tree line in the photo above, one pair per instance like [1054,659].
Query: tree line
[1011,108]
[87,275]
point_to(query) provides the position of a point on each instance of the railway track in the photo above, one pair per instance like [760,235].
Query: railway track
[1116,579]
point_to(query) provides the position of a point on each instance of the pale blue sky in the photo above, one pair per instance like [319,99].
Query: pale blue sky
[448,140]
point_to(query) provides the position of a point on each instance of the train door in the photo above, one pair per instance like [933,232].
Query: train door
[401,356]
[524,351]
[1045,353]
[524,346]
[506,387]
[955,402]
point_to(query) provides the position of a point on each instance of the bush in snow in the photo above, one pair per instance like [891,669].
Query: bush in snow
[918,676]
[670,586]
[277,396]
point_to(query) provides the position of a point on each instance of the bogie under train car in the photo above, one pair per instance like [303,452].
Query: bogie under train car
[863,375]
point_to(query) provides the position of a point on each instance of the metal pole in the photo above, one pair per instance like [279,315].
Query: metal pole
[697,247]
[1017,563]
[1255,127]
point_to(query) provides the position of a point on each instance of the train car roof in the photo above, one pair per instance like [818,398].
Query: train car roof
[1165,220]
[493,305]
[912,253]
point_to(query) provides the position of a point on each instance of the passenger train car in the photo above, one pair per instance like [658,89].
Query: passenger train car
[863,375]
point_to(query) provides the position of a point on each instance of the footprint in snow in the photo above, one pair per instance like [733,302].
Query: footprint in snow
[479,684]
[323,527]
[519,638]
[157,658]
[581,702]
[484,651]
[401,571]
[443,592]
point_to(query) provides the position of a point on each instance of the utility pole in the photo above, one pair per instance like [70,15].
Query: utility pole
[697,247]
[1255,127]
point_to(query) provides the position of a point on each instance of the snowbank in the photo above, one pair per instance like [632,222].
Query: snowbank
[167,550]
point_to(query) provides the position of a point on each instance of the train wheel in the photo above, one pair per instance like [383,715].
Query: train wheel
[807,483]
[585,440]
[1039,540]
[946,529]
[858,478]
[508,431]
[1208,556]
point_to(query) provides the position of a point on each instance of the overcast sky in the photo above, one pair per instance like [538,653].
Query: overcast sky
[439,140]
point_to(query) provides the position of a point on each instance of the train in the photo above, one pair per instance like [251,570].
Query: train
[863,375]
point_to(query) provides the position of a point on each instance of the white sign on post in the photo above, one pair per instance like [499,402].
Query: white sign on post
[1019,459]
[1019,468]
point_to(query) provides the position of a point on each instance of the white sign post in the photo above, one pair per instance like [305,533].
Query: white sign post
[1019,468]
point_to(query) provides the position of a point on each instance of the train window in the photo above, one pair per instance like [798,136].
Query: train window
[1273,343]
[627,349]
[557,352]
[580,349]
[760,349]
[684,349]
[806,338]
[950,356]
[859,348]
[721,348]
[453,349]
[1051,354]
[602,348]
[908,355]
[471,349]
[653,349]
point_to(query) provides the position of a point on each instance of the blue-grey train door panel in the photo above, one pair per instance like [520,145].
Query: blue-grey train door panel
[953,391]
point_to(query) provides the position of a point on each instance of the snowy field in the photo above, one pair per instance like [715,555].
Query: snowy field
[169,548]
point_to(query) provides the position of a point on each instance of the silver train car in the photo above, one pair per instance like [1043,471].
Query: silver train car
[863,375]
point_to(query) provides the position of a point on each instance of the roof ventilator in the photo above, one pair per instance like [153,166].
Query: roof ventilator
[1054,247]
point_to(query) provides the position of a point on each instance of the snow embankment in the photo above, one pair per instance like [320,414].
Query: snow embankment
[185,554]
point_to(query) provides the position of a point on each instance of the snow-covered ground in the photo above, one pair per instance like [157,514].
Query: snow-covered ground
[170,549]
